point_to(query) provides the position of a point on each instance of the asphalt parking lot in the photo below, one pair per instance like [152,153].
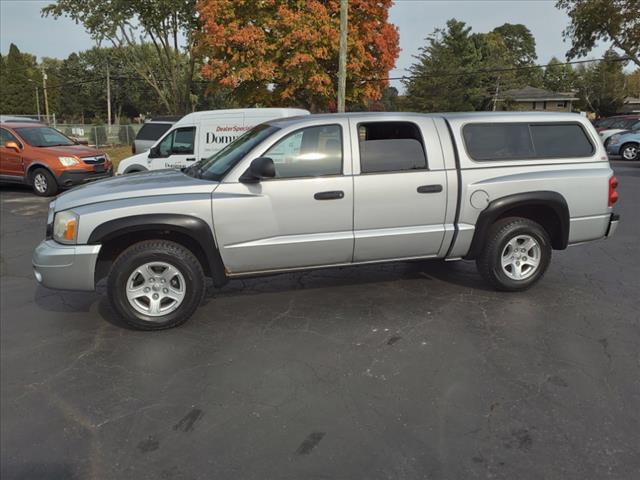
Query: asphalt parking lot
[405,371]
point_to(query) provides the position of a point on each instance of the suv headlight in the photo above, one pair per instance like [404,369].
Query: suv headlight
[69,161]
[65,227]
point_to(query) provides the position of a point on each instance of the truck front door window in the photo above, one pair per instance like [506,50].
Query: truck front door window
[311,152]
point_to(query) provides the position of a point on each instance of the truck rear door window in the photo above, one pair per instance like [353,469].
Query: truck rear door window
[521,141]
[390,147]
[560,141]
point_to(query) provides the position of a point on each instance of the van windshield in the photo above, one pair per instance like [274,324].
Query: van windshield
[220,163]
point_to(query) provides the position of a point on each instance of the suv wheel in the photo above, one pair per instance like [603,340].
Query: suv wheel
[43,183]
[630,151]
[516,255]
[156,284]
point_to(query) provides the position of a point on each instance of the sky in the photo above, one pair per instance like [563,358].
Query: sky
[22,24]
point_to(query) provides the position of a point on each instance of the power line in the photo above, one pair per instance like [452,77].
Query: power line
[497,70]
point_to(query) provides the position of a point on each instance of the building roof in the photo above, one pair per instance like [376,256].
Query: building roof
[533,94]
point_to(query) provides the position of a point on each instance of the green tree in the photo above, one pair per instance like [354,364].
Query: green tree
[458,70]
[601,85]
[558,77]
[632,87]
[167,67]
[615,21]
[433,86]
[522,52]
[19,79]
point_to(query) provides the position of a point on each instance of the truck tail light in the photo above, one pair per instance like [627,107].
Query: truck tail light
[613,195]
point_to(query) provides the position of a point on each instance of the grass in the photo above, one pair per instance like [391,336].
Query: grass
[118,153]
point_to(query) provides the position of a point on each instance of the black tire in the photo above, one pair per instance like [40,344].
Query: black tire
[634,151]
[145,252]
[43,182]
[504,230]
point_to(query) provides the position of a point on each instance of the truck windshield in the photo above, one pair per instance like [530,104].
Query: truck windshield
[218,165]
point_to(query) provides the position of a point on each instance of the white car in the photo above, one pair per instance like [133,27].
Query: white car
[619,126]
[199,135]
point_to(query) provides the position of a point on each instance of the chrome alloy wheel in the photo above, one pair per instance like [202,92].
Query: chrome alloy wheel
[40,182]
[156,289]
[630,152]
[520,257]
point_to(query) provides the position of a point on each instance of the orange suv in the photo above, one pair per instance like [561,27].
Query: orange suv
[46,159]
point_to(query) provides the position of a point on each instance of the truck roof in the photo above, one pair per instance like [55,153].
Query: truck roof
[460,116]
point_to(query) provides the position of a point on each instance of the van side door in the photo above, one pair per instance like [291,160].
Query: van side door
[218,132]
[303,217]
[177,149]
[400,189]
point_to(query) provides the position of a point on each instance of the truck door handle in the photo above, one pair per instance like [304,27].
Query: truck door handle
[191,159]
[429,188]
[333,195]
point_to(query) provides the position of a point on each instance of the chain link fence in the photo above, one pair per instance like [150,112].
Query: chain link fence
[101,135]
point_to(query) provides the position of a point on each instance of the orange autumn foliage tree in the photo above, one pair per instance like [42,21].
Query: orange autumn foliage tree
[285,52]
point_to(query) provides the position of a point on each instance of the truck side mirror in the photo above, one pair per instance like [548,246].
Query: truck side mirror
[11,145]
[260,168]
[154,152]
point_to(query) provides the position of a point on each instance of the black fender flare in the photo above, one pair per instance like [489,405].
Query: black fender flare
[193,227]
[497,207]
[37,164]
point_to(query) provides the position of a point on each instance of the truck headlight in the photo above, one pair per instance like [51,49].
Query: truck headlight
[68,161]
[65,227]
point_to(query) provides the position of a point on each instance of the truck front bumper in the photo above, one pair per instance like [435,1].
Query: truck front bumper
[65,267]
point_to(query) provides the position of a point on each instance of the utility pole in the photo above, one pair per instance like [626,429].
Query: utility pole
[495,97]
[342,68]
[108,99]
[37,100]
[44,90]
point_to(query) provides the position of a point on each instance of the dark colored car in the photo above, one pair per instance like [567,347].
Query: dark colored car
[150,132]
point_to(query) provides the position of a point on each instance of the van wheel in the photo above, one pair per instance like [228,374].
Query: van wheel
[44,184]
[516,254]
[156,284]
[630,151]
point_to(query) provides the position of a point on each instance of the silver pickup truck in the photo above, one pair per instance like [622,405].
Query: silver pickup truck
[503,189]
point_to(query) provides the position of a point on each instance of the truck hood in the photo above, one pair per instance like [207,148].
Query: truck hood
[147,184]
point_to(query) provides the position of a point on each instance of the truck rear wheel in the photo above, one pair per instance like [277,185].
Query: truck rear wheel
[516,254]
[156,284]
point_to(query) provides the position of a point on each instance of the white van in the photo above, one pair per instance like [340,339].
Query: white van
[199,135]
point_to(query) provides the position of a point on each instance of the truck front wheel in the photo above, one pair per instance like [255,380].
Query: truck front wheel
[156,284]
[516,254]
